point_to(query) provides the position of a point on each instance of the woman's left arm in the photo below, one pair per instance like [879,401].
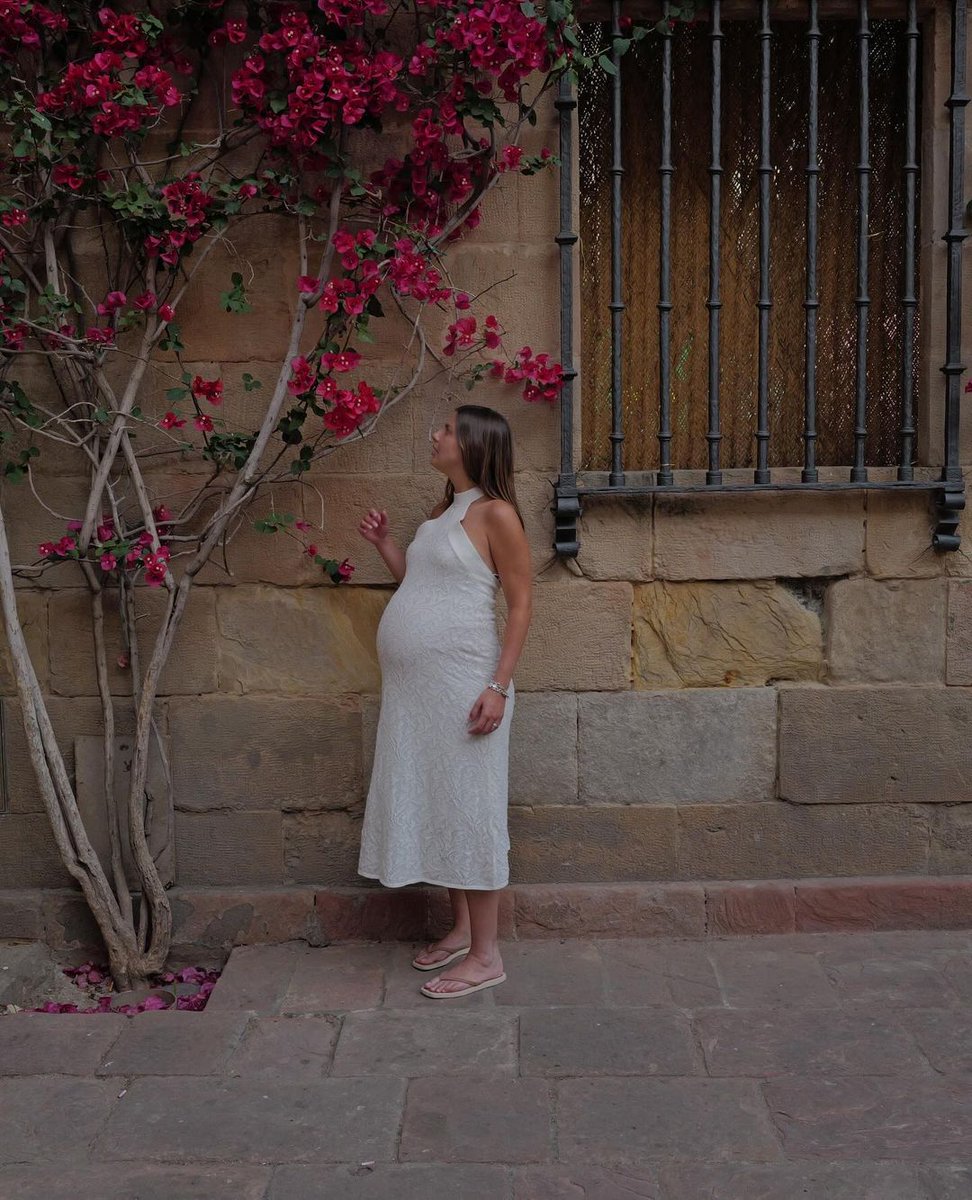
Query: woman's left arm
[510,550]
[511,553]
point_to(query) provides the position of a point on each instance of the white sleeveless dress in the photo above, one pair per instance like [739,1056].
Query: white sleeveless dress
[437,802]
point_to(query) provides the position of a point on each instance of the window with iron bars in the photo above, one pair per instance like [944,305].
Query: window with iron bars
[749,192]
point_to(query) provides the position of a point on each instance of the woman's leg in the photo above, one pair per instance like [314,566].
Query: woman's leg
[457,937]
[483,960]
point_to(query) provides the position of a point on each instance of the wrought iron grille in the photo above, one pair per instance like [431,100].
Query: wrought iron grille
[749,214]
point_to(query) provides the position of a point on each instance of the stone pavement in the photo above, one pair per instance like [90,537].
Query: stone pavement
[831,1066]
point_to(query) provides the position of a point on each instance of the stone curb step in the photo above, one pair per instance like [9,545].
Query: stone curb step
[216,919]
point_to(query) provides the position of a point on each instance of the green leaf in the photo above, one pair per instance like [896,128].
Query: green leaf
[606,65]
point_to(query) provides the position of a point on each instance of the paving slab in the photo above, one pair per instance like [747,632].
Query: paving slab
[299,1045]
[134,1181]
[606,1041]
[627,1120]
[411,1044]
[393,1181]
[57,1043]
[907,1119]
[44,1117]
[174,1042]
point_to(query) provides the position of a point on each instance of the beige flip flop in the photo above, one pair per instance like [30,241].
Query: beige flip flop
[474,987]
[442,961]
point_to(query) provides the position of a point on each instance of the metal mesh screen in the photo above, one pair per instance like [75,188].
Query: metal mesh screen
[739,240]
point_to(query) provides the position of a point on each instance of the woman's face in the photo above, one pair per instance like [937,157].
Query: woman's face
[445,453]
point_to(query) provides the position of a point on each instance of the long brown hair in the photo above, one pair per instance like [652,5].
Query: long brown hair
[486,447]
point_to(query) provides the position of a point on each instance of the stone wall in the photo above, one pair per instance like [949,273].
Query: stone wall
[720,687]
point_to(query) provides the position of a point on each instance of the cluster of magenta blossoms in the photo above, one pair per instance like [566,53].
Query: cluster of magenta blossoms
[87,85]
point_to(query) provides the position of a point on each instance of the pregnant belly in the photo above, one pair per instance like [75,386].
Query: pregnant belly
[428,636]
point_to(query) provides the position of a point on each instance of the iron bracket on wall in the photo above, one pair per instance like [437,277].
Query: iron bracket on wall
[949,502]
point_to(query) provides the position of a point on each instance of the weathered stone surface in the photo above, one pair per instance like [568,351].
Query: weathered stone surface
[174,1043]
[308,642]
[255,1120]
[865,979]
[421,1043]
[755,1042]
[474,1118]
[761,973]
[254,978]
[787,1180]
[543,747]
[951,839]
[255,557]
[944,1035]
[886,631]
[777,840]
[899,538]
[28,524]
[304,1042]
[372,912]
[122,1181]
[909,903]
[559,1180]
[579,637]
[590,1041]
[610,910]
[640,972]
[331,978]
[21,915]
[216,919]
[27,1133]
[540,973]
[874,744]
[261,750]
[912,1119]
[758,536]
[959,633]
[229,847]
[697,746]
[615,538]
[404,1181]
[723,634]
[45,1044]
[557,843]
[622,1121]
[28,853]
[32,610]
[763,907]
[321,847]
[191,667]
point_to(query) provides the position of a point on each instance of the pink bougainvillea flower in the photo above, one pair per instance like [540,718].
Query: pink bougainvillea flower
[171,421]
[345,569]
[108,562]
[203,422]
[211,389]
[111,303]
[166,312]
[303,526]
[311,550]
[46,549]
[145,301]
[307,284]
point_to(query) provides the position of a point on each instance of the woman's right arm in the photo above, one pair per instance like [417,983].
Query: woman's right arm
[371,529]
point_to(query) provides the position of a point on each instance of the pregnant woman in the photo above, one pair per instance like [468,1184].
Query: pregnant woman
[437,804]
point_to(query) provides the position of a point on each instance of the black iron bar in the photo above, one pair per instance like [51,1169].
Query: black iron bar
[811,303]
[862,301]
[617,279]
[567,507]
[764,304]
[665,171]
[713,435]
[909,301]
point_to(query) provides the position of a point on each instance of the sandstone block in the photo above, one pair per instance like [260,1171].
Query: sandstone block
[210,918]
[28,853]
[543,749]
[321,848]
[753,536]
[32,610]
[29,523]
[906,903]
[237,849]
[899,538]
[886,631]
[254,557]
[267,635]
[568,844]
[716,634]
[616,538]
[191,667]
[951,838]
[780,841]
[617,910]
[874,744]
[254,753]
[763,907]
[634,748]
[959,633]
[579,637]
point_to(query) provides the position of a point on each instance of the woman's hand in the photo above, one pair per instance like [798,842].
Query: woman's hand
[487,712]
[374,526]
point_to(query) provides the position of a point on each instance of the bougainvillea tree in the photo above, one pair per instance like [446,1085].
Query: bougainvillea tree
[97,106]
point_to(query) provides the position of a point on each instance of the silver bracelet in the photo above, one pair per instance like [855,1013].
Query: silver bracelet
[498,687]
